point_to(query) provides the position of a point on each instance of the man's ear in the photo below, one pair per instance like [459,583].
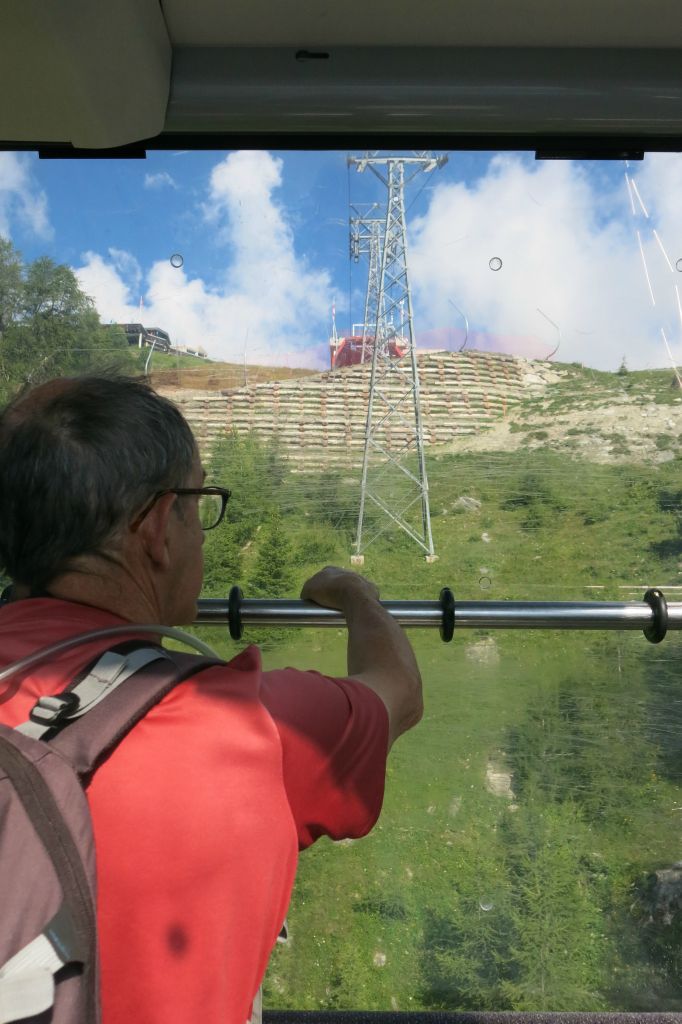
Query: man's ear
[154,529]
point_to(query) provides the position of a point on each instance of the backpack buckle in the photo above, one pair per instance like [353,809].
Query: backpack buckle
[51,710]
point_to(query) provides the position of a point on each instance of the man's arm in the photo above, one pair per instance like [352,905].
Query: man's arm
[379,653]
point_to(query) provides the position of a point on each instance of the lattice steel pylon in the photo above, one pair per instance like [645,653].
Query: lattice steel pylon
[394,479]
[366,236]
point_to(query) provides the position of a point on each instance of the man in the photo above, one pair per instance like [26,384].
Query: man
[199,812]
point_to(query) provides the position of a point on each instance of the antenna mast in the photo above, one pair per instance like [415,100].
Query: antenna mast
[334,340]
[394,477]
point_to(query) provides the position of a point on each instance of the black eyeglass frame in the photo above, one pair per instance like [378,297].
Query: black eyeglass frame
[221,492]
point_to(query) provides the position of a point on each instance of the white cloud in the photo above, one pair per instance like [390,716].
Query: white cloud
[659,179]
[103,283]
[127,267]
[160,180]
[21,201]
[568,248]
[268,304]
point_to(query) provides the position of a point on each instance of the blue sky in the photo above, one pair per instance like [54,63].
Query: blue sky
[264,240]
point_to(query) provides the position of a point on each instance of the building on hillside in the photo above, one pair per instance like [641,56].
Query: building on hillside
[162,338]
[148,337]
[143,337]
[187,350]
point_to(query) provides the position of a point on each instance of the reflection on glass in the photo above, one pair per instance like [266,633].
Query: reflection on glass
[528,856]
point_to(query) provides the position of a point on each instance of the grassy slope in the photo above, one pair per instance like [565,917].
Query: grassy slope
[457,899]
[190,372]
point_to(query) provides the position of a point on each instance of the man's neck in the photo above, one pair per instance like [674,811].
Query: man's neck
[119,593]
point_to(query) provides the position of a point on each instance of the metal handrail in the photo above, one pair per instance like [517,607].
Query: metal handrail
[654,616]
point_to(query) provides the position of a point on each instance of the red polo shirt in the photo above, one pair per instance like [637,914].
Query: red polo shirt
[198,814]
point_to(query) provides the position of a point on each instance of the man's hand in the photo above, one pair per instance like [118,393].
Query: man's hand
[379,654]
[335,588]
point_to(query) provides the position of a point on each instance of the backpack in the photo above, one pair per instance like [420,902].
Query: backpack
[48,928]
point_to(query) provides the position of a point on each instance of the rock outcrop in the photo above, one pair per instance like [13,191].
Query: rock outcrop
[662,895]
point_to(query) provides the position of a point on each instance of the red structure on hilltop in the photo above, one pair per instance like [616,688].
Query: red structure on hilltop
[348,351]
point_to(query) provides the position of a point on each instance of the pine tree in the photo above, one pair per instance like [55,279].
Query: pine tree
[272,574]
[222,561]
[253,470]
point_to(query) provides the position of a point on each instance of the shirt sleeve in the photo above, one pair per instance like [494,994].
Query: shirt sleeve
[334,735]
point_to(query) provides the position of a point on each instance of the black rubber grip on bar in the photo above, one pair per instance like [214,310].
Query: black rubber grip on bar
[447,626]
[659,606]
[234,613]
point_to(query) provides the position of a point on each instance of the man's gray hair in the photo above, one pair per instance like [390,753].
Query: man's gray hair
[78,459]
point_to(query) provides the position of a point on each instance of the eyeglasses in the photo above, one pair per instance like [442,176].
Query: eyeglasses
[212,504]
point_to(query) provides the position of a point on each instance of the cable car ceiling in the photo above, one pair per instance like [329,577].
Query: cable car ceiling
[95,75]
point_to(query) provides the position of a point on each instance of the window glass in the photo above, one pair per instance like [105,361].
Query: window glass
[529,855]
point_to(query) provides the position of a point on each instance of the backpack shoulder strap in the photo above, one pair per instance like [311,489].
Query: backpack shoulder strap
[51,713]
[93,714]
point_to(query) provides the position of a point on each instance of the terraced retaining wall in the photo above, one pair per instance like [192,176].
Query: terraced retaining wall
[320,420]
